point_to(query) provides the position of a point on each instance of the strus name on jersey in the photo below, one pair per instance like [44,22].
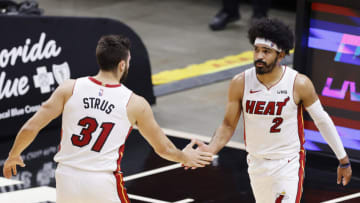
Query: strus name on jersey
[265,107]
[100,104]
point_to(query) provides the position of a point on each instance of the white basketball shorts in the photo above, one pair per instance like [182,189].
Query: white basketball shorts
[79,186]
[277,180]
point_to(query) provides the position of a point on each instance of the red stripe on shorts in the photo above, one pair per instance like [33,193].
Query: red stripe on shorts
[301,176]
[121,188]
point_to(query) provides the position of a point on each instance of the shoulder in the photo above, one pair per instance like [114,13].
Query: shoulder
[66,87]
[137,107]
[236,88]
[68,84]
[302,81]
[137,101]
[304,90]
[238,79]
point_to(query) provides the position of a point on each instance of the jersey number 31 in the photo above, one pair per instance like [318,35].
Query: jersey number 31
[89,127]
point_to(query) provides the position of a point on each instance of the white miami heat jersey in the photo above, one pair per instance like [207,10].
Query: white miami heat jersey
[273,124]
[95,126]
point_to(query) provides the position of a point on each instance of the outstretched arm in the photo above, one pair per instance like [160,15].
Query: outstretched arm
[48,111]
[232,114]
[140,113]
[307,95]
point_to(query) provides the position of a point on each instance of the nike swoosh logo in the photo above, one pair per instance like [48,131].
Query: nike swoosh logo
[254,91]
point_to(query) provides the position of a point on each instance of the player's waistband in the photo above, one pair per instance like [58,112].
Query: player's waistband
[273,156]
[68,168]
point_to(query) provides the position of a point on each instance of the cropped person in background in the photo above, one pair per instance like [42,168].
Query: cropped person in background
[230,13]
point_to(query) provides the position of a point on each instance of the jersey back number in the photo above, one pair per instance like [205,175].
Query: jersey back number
[89,127]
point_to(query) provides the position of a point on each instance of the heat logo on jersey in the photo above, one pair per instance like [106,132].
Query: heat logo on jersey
[280,197]
[265,107]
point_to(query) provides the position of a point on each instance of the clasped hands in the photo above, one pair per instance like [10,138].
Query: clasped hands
[198,157]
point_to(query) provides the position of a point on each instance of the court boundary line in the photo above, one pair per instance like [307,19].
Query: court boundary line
[340,199]
[152,200]
[50,195]
[30,195]
[185,200]
[7,182]
[152,172]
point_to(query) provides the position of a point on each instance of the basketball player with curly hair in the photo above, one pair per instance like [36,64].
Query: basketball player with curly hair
[271,98]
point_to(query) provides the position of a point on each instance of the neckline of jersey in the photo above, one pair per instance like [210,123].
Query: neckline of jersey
[103,84]
[268,88]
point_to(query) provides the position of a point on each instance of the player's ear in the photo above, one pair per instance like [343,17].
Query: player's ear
[282,55]
[121,65]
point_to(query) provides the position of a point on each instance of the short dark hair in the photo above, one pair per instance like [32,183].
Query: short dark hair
[273,30]
[110,50]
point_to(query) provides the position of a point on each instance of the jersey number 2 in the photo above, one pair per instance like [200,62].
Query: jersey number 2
[277,122]
[89,126]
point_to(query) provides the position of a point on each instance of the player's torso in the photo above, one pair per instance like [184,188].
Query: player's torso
[272,120]
[94,126]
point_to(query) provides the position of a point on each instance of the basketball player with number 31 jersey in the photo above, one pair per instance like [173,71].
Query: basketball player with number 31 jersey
[91,135]
[98,114]
[271,98]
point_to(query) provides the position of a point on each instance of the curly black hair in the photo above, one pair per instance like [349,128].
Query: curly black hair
[273,30]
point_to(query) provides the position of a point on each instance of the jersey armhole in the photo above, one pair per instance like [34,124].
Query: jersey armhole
[293,91]
[72,92]
[244,89]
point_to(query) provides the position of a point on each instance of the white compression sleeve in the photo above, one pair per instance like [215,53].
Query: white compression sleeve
[327,128]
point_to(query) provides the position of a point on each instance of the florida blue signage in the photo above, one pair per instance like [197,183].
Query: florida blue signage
[39,53]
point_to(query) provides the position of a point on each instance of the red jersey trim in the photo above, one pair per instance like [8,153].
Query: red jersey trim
[121,151]
[102,84]
[302,153]
[119,176]
[293,90]
[301,126]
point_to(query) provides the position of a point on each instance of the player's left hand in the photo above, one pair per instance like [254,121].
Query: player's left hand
[196,158]
[202,147]
[344,175]
[10,166]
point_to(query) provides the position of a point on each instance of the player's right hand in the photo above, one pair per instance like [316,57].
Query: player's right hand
[200,147]
[10,166]
[196,158]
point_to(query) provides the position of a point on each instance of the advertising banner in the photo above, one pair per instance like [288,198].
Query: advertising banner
[39,53]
